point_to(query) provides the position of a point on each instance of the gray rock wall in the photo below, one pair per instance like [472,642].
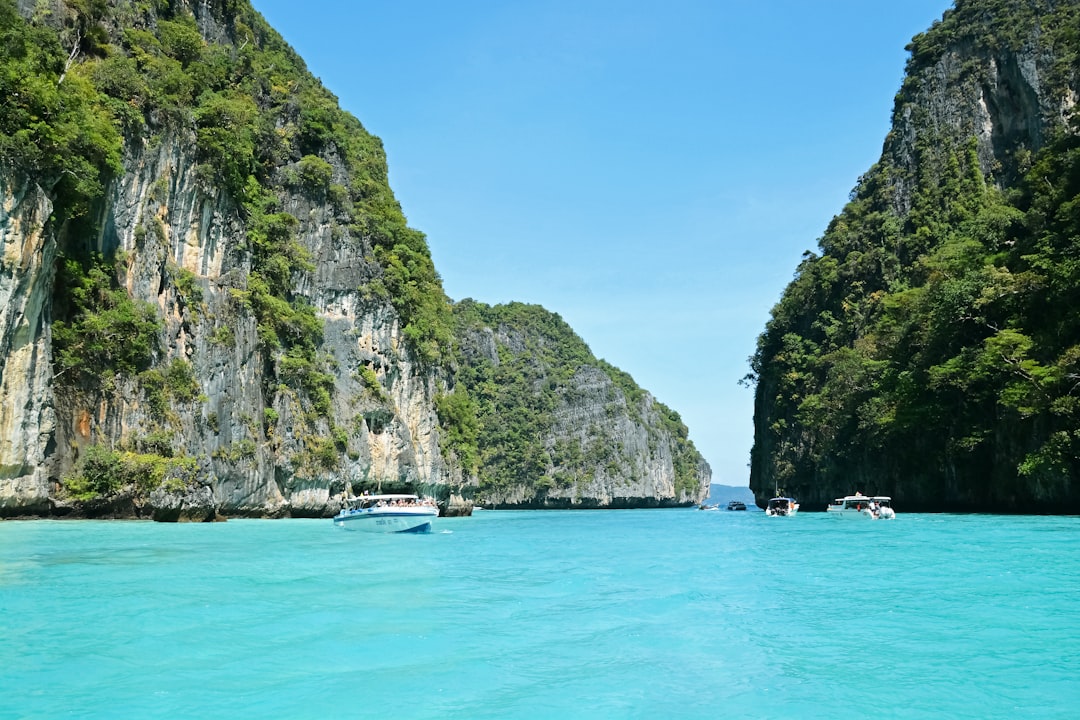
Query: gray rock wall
[1001,99]
[27,417]
[164,223]
[596,447]
[251,441]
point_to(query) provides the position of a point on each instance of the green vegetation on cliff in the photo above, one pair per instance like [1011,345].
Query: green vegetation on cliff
[103,472]
[519,368]
[55,126]
[89,84]
[81,80]
[933,347]
[109,333]
[223,239]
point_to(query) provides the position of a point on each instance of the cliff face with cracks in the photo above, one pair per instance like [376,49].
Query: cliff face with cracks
[246,465]
[562,428]
[27,416]
[296,354]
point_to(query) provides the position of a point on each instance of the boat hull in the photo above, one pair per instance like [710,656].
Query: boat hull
[395,521]
[864,514]
[862,507]
[851,514]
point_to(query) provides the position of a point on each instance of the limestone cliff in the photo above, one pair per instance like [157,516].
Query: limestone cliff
[559,428]
[212,304]
[930,350]
[27,416]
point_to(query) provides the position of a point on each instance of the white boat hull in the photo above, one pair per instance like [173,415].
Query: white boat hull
[388,520]
[864,514]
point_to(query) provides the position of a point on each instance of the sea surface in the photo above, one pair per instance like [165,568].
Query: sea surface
[578,614]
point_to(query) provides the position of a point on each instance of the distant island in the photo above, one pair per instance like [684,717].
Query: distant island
[723,494]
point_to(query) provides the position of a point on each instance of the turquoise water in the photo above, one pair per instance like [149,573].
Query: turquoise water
[609,614]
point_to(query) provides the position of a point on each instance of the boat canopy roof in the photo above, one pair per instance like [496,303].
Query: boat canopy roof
[376,498]
[859,501]
[781,500]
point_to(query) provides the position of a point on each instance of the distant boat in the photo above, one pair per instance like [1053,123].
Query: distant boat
[706,506]
[782,507]
[863,507]
[736,505]
[387,514]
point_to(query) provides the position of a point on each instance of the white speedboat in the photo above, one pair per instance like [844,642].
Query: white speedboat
[863,507]
[781,507]
[736,505]
[387,514]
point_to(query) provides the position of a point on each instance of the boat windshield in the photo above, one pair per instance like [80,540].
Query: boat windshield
[864,501]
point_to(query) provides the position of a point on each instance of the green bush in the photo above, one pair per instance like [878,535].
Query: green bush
[227,127]
[180,39]
[314,173]
[181,382]
[102,472]
[108,332]
[322,454]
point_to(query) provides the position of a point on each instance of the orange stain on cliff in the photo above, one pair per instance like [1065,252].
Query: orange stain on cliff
[82,424]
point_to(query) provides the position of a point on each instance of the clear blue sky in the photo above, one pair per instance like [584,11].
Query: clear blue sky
[651,171]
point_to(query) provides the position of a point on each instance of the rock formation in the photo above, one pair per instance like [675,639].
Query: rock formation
[279,339]
[929,351]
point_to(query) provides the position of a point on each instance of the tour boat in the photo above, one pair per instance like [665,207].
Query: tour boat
[863,507]
[781,507]
[736,505]
[387,514]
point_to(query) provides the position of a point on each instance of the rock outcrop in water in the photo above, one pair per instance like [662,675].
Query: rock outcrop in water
[932,350]
[212,303]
